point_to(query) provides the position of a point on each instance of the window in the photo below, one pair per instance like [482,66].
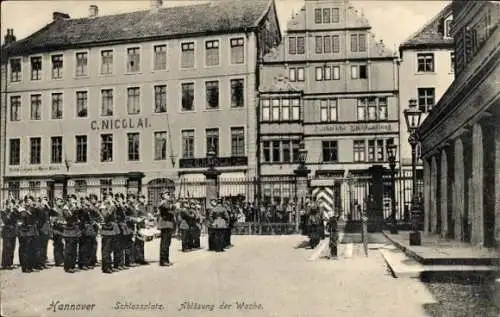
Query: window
[359,72]
[34,188]
[106,187]
[287,155]
[319,73]
[452,62]
[266,151]
[328,110]
[319,44]
[295,150]
[266,110]
[81,104]
[238,141]
[212,140]
[57,66]
[35,150]
[425,62]
[358,43]
[335,15]
[187,143]
[160,145]
[371,150]
[187,55]
[295,109]
[237,93]
[36,68]
[212,94]
[14,151]
[160,57]
[15,108]
[160,98]
[133,60]
[335,43]
[81,148]
[317,16]
[377,149]
[212,53]
[36,107]
[81,64]
[285,109]
[80,186]
[372,108]
[296,45]
[359,150]
[327,44]
[133,100]
[237,51]
[133,146]
[426,99]
[276,110]
[15,69]
[56,149]
[57,106]
[336,72]
[188,97]
[276,150]
[107,102]
[296,74]
[447,28]
[14,189]
[106,62]
[380,150]
[330,151]
[326,15]
[106,147]
[328,73]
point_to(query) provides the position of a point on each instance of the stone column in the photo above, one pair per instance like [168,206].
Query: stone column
[459,189]
[477,235]
[444,194]
[433,195]
[427,195]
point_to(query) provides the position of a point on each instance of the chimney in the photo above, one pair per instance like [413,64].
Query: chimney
[156,5]
[9,37]
[59,16]
[93,11]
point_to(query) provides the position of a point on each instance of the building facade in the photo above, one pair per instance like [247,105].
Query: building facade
[331,85]
[132,101]
[426,70]
[461,136]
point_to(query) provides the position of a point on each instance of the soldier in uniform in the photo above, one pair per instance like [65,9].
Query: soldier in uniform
[109,231]
[183,220]
[334,236]
[57,232]
[95,219]
[142,214]
[197,226]
[71,234]
[9,220]
[44,213]
[166,224]
[35,208]
[231,222]
[88,234]
[27,234]
[219,224]
[128,239]
[315,225]
[119,246]
[210,229]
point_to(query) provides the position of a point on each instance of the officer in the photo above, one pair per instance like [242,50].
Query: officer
[57,232]
[210,229]
[166,221]
[109,231]
[9,220]
[35,208]
[71,234]
[183,220]
[219,224]
[88,233]
[142,215]
[120,242]
[128,239]
[27,233]
[95,219]
[45,231]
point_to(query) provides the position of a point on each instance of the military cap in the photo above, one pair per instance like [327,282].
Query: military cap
[213,202]
[142,196]
[130,195]
[73,196]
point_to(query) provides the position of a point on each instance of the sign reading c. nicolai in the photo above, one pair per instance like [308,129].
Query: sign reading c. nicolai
[120,123]
[355,128]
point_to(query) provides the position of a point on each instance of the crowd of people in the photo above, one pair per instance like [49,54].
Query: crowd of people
[123,225]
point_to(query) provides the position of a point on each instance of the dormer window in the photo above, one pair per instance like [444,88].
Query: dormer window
[447,27]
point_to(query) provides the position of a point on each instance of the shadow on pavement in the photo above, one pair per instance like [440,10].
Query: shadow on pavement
[303,245]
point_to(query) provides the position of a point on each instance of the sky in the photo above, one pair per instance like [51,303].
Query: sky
[391,21]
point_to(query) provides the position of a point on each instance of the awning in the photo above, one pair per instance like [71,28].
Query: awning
[191,186]
[235,183]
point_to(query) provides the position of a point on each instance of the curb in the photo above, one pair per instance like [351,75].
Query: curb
[403,248]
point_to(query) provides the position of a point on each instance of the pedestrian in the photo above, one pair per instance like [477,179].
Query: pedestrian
[57,232]
[142,215]
[71,234]
[166,224]
[9,219]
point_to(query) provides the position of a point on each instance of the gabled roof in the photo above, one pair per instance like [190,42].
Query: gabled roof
[222,16]
[431,34]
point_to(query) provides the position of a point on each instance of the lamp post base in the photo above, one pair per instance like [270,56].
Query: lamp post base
[415,238]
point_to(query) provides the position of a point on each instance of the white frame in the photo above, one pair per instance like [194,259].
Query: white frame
[76,152]
[140,160]
[75,52]
[154,146]
[51,64]
[141,60]
[51,103]
[113,67]
[218,144]
[153,44]
[245,99]
[9,70]
[75,108]
[181,143]
[42,77]
[230,50]
[244,140]
[31,93]
[153,97]
[193,41]
[62,148]
[8,150]
[113,89]
[112,149]
[126,99]
[194,96]
[219,40]
[219,106]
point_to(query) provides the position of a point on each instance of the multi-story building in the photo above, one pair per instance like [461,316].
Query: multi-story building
[461,136]
[426,70]
[137,99]
[331,85]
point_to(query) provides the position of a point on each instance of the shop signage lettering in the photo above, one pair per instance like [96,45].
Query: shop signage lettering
[355,128]
[123,123]
[34,169]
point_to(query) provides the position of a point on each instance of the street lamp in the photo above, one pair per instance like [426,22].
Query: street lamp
[212,174]
[412,118]
[302,187]
[391,156]
[350,181]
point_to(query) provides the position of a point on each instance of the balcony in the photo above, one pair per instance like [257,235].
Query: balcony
[219,162]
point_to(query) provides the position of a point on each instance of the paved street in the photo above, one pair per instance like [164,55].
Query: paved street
[275,275]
